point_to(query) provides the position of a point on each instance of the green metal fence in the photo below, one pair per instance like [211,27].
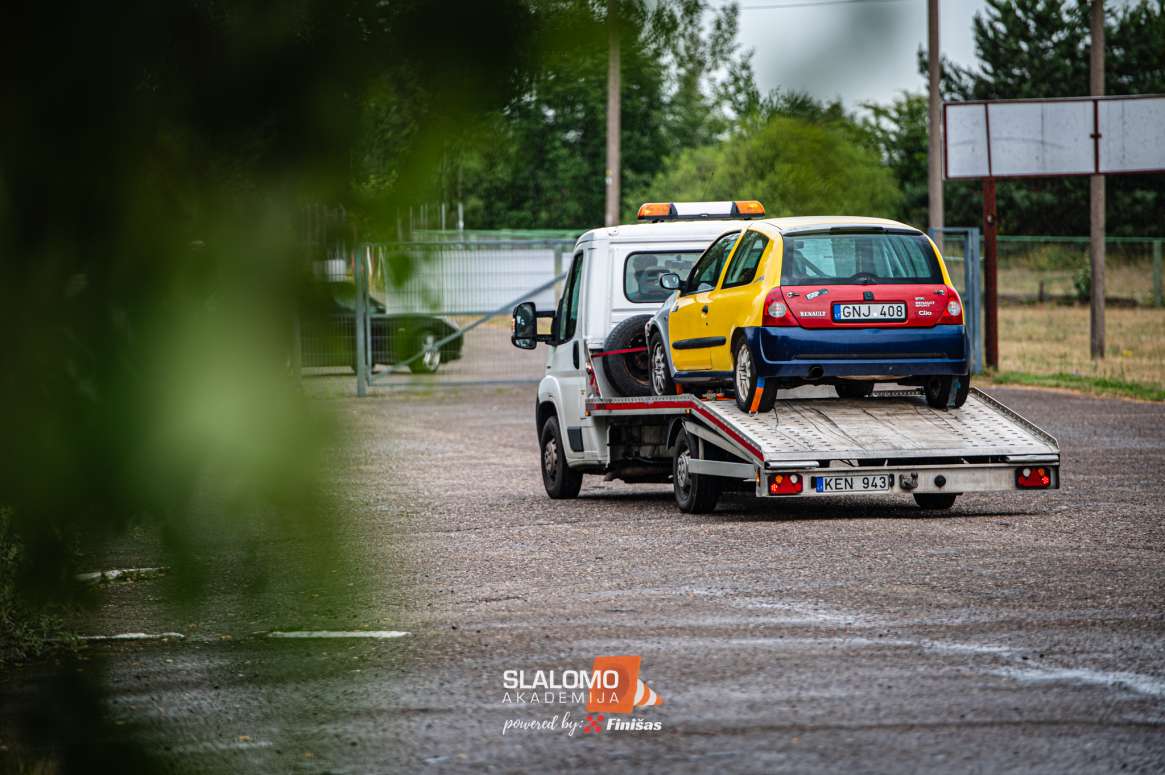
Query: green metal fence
[1047,268]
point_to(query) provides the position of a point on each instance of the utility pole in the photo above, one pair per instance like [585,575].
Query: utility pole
[1096,186]
[934,118]
[611,217]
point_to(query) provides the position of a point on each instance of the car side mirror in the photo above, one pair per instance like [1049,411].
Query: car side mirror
[525,326]
[670,281]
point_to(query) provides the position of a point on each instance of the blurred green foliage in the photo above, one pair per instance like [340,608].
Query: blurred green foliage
[155,165]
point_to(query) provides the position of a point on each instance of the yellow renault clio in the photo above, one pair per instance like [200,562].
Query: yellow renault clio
[840,300]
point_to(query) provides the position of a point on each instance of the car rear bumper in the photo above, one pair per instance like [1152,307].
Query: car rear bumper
[802,353]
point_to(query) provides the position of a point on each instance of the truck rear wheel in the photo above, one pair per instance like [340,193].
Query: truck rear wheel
[559,479]
[935,501]
[695,493]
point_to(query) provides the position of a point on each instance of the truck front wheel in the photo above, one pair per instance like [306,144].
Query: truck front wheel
[558,478]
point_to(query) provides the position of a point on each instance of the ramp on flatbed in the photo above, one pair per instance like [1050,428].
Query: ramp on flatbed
[891,424]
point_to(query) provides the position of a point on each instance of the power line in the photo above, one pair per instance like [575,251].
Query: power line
[806,4]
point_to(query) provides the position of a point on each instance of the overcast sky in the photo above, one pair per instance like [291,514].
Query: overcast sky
[858,51]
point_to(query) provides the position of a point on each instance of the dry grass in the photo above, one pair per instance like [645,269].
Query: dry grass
[1050,340]
[1129,282]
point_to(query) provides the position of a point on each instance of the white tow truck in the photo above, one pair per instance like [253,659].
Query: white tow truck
[594,414]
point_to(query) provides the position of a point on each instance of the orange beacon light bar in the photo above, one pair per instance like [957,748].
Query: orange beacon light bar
[694,211]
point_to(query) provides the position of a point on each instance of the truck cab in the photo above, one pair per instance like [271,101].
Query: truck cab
[613,276]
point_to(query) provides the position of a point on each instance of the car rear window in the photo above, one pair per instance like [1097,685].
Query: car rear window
[858,259]
[641,273]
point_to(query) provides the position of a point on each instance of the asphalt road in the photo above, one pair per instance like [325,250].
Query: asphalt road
[1017,632]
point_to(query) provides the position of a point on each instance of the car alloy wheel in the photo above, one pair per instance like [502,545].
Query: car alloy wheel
[744,376]
[658,369]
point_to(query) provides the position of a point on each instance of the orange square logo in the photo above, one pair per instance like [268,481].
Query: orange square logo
[617,687]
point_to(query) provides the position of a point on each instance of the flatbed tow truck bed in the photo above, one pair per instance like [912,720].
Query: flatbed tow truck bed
[889,442]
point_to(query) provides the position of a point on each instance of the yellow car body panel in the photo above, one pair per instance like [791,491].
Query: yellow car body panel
[742,305]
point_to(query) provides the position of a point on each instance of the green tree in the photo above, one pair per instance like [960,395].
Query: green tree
[793,166]
[541,161]
[899,129]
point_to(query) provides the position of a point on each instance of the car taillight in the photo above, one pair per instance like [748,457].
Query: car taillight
[777,311]
[1033,478]
[954,311]
[786,484]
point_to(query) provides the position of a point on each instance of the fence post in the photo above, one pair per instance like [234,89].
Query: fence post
[557,266]
[359,270]
[1158,296]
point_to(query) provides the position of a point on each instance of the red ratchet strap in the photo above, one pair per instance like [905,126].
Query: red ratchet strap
[619,352]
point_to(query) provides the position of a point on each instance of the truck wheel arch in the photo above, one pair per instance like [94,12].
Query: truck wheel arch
[544,412]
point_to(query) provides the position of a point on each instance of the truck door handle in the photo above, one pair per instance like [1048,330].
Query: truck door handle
[705,309]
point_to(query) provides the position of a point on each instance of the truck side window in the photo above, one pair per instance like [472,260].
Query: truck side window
[744,263]
[566,318]
[706,272]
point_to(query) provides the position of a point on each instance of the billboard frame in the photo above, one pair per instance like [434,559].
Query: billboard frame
[1095,136]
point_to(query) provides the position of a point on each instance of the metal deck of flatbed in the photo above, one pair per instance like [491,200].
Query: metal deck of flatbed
[890,425]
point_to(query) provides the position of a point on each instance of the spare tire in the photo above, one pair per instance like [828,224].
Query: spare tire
[630,373]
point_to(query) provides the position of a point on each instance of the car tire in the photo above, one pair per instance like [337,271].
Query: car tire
[662,383]
[559,479]
[938,391]
[745,381]
[430,361]
[853,389]
[628,372]
[695,493]
[935,501]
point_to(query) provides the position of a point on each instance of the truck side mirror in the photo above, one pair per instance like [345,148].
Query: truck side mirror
[525,326]
[670,281]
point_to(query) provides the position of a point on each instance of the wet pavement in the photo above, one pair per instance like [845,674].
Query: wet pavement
[1017,631]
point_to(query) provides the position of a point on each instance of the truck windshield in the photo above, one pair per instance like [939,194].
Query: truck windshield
[858,259]
[642,271]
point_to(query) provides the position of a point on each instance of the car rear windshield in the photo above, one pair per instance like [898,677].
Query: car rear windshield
[858,259]
[642,271]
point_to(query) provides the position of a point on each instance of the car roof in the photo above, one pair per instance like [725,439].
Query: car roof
[799,222]
[707,229]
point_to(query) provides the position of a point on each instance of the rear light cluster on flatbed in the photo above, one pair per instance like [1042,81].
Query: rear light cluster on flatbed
[1033,478]
[786,484]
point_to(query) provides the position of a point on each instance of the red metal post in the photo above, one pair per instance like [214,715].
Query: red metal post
[990,276]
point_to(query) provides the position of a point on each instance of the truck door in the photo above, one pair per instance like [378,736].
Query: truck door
[566,357]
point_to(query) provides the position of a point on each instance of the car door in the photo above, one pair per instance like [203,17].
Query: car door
[688,318]
[733,304]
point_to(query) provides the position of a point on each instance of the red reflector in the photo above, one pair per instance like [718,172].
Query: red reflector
[786,484]
[1033,478]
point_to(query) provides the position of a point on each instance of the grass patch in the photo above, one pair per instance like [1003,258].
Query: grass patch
[1049,345]
[1096,385]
